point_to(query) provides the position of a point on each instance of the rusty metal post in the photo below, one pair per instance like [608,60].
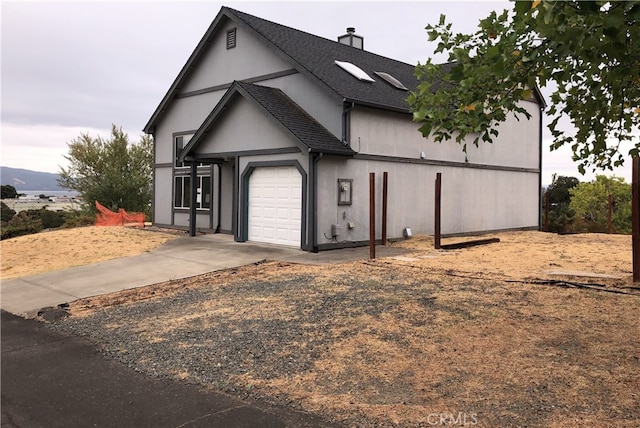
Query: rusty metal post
[436,214]
[609,225]
[385,180]
[635,217]
[546,211]
[372,215]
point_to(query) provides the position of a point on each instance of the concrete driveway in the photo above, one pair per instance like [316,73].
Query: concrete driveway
[180,258]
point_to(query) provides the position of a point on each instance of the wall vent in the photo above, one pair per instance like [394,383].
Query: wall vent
[231,38]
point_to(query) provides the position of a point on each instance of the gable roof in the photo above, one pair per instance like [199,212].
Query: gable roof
[313,56]
[310,135]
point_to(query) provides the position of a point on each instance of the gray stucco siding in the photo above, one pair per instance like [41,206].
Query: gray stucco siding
[162,203]
[220,65]
[379,132]
[473,199]
[185,114]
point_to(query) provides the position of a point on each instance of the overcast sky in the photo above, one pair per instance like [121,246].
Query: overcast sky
[77,67]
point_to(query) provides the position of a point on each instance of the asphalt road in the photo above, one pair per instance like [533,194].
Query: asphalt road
[50,379]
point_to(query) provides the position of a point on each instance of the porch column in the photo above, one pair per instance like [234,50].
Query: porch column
[193,198]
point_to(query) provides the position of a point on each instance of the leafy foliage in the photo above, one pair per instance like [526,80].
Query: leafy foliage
[559,189]
[591,205]
[8,192]
[590,49]
[113,172]
[51,219]
[6,213]
[24,223]
[560,214]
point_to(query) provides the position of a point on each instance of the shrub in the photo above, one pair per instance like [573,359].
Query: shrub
[51,219]
[6,213]
[78,218]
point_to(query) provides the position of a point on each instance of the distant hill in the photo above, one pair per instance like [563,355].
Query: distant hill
[24,179]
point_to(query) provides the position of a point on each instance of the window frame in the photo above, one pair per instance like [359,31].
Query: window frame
[182,192]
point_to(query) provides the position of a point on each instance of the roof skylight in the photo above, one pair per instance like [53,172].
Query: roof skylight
[354,70]
[391,80]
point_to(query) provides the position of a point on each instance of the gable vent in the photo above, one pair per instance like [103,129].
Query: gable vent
[354,70]
[231,38]
[391,80]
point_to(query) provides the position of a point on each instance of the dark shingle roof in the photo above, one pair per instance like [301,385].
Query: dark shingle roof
[297,121]
[310,134]
[312,55]
[316,55]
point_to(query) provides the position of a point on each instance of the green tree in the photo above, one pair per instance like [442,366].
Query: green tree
[6,213]
[113,172]
[590,49]
[8,192]
[591,205]
[560,214]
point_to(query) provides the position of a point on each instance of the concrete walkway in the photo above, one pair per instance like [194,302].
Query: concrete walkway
[180,258]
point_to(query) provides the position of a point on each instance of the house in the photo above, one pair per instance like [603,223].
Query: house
[270,133]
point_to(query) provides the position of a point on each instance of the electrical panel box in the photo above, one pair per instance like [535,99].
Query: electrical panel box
[345,191]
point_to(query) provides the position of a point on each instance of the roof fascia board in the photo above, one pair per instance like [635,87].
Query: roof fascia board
[377,106]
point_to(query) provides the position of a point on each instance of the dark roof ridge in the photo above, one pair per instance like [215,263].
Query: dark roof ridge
[236,11]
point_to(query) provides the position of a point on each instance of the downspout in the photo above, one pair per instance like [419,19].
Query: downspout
[346,127]
[219,197]
[193,198]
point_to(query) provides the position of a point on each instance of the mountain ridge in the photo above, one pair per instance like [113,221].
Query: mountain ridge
[26,179]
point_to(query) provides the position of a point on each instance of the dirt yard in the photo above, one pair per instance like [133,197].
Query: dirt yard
[60,249]
[483,336]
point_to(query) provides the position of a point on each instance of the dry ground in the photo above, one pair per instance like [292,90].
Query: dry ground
[61,249]
[427,339]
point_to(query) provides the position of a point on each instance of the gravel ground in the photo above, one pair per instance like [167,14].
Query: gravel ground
[217,346]
[383,344]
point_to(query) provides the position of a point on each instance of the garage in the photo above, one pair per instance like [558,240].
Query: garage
[275,205]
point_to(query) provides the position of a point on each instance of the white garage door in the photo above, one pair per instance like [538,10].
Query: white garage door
[275,205]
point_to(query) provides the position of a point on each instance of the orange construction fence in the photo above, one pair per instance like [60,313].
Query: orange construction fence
[106,217]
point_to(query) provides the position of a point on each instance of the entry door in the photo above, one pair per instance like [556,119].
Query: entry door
[275,205]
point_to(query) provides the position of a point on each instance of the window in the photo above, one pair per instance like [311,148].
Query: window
[182,192]
[179,143]
[354,70]
[391,80]
[231,38]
